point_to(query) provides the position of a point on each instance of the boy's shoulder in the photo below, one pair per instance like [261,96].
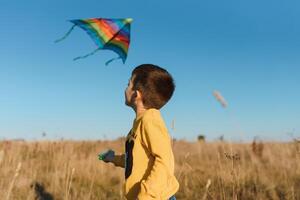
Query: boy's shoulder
[151,114]
[153,122]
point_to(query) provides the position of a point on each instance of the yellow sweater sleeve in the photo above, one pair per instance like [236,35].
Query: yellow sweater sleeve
[156,139]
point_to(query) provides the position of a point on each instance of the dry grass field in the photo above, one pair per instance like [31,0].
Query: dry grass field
[69,170]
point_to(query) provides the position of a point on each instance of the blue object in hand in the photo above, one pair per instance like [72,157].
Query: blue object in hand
[107,156]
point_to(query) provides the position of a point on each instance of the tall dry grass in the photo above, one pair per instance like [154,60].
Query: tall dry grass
[69,170]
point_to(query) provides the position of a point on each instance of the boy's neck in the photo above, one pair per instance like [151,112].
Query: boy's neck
[139,111]
[139,107]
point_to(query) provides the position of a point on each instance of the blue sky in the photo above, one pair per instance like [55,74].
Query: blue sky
[248,50]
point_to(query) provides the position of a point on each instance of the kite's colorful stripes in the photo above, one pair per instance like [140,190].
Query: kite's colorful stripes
[112,34]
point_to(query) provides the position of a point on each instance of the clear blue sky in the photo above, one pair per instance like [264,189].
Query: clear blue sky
[248,50]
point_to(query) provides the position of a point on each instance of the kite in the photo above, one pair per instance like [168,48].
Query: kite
[220,98]
[110,34]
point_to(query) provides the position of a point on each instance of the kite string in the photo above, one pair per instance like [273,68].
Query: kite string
[109,61]
[87,55]
[66,35]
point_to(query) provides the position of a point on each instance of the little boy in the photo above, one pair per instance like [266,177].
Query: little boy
[149,160]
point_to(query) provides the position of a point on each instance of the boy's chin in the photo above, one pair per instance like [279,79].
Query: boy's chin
[129,104]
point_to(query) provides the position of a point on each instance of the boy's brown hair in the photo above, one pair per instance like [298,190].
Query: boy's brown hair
[155,84]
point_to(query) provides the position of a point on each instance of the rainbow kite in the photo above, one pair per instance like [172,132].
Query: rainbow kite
[111,34]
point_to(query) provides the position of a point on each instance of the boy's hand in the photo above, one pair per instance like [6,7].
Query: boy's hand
[107,156]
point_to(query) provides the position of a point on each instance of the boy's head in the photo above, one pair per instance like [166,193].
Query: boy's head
[154,85]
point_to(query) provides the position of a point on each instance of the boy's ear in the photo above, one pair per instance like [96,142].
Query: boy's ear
[138,94]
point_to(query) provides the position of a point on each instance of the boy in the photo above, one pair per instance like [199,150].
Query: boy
[149,160]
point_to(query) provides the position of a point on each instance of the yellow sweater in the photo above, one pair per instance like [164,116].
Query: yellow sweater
[149,166]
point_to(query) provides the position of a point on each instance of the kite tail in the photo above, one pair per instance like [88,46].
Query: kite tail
[66,35]
[113,59]
[87,55]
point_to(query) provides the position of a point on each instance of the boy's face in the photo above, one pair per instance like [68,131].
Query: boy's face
[129,94]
